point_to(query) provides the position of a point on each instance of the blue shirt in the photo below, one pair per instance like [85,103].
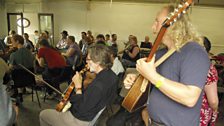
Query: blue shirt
[188,66]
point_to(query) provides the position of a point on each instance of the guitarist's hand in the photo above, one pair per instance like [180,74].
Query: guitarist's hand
[129,80]
[147,69]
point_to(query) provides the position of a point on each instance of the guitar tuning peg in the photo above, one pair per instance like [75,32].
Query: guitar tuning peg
[186,3]
[172,14]
[171,23]
[175,20]
[176,10]
[184,11]
[180,6]
[168,18]
[178,16]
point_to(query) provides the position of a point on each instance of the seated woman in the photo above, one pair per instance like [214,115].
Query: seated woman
[131,54]
[72,51]
[54,64]
[85,104]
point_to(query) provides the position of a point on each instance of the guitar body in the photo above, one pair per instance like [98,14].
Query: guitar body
[135,97]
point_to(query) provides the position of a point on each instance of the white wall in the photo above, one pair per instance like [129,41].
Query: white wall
[209,21]
[120,18]
[3,22]
[33,17]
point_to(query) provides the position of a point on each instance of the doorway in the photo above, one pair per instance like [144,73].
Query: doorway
[46,23]
[13,19]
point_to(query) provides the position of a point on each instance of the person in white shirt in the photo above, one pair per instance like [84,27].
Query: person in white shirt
[117,65]
[36,37]
[7,39]
[62,44]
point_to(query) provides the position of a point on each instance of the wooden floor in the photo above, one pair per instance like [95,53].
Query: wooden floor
[29,112]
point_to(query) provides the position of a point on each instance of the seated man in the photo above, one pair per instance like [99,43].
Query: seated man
[72,51]
[22,56]
[54,63]
[146,44]
[117,67]
[87,103]
[27,43]
[62,44]
[7,39]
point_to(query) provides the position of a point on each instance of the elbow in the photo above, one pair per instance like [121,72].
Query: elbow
[191,102]
[214,104]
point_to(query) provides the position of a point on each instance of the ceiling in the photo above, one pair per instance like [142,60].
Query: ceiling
[197,2]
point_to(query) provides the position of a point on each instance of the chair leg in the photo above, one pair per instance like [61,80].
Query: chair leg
[111,109]
[45,93]
[32,93]
[38,100]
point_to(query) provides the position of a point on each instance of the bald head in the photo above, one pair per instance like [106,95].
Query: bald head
[147,38]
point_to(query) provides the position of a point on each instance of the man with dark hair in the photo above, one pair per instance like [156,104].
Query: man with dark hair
[36,37]
[27,43]
[54,64]
[7,39]
[62,44]
[89,34]
[22,56]
[114,41]
[87,103]
[83,44]
[100,39]
[73,50]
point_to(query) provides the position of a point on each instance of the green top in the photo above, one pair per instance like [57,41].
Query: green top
[22,56]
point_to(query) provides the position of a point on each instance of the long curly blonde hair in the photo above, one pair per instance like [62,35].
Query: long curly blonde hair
[183,30]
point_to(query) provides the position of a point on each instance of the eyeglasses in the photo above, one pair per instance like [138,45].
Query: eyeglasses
[88,59]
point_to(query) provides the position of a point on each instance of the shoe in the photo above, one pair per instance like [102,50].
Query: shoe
[15,95]
[20,97]
[51,96]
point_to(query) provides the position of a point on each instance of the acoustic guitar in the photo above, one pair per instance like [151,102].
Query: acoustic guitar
[138,94]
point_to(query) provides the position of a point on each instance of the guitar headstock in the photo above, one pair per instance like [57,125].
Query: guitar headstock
[178,12]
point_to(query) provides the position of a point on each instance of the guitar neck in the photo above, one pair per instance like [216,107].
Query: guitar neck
[156,43]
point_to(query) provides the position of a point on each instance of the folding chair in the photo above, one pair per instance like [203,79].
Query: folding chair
[93,122]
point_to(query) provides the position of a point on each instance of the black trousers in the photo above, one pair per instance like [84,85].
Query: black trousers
[55,76]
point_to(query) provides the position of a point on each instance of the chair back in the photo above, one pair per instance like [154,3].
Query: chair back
[78,63]
[92,123]
[23,78]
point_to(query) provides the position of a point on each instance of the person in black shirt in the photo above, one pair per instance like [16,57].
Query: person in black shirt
[131,53]
[146,43]
[86,103]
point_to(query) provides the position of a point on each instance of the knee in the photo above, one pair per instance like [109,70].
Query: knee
[145,114]
[43,114]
